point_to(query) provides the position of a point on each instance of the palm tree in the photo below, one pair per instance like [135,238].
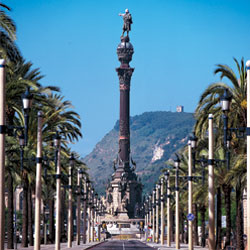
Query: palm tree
[8,48]
[237,177]
[209,103]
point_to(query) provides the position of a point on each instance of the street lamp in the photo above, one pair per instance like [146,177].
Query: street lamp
[193,142]
[167,183]
[248,154]
[162,211]
[153,204]
[150,210]
[3,131]
[57,142]
[38,180]
[157,188]
[27,102]
[211,192]
[95,211]
[177,229]
[79,177]
[225,101]
[191,145]
[89,209]
[92,214]
[85,195]
[70,214]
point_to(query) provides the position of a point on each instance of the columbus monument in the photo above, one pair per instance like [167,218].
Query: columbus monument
[124,192]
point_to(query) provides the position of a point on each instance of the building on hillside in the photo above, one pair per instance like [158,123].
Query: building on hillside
[180,109]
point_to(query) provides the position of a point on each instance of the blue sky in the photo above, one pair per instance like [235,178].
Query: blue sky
[177,45]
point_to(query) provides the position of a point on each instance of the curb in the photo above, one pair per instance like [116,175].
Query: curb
[97,244]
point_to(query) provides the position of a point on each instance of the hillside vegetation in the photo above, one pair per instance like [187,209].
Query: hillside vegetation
[155,136]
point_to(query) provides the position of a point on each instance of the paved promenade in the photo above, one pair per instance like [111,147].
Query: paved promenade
[63,246]
[183,246]
[92,244]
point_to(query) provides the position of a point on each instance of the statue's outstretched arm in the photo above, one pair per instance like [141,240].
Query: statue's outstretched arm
[121,14]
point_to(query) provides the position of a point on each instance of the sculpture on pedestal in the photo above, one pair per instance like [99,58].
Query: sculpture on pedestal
[127,21]
[123,193]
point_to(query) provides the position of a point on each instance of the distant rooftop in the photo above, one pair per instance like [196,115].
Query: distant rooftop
[180,109]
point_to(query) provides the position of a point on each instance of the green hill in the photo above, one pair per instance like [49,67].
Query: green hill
[155,136]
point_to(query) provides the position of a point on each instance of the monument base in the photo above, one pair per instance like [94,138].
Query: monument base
[122,225]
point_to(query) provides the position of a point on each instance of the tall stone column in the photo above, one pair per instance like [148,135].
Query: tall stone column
[125,51]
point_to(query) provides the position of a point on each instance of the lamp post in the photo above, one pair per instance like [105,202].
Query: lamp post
[2,151]
[211,214]
[150,210]
[225,102]
[157,188]
[38,181]
[78,225]
[153,217]
[95,209]
[57,144]
[146,212]
[191,160]
[248,154]
[27,101]
[167,183]
[70,214]
[162,211]
[92,214]
[85,195]
[89,209]
[177,224]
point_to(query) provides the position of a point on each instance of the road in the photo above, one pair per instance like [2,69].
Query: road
[122,245]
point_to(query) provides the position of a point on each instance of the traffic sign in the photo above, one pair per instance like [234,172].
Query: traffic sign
[190,217]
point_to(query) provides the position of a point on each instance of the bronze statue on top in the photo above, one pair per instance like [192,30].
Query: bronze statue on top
[127,19]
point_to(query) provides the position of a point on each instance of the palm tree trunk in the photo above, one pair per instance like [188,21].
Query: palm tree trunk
[203,226]
[218,231]
[25,211]
[182,226]
[239,221]
[63,235]
[227,193]
[51,221]
[10,113]
[31,221]
[10,229]
[195,225]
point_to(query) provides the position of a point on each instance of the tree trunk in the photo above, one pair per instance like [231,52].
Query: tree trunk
[51,221]
[31,220]
[239,221]
[203,226]
[172,223]
[63,209]
[10,229]
[218,229]
[25,211]
[10,113]
[227,193]
[182,227]
[195,224]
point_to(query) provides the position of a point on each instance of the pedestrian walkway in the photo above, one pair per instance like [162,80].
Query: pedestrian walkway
[63,246]
[163,247]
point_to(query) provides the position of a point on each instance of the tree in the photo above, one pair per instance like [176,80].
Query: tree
[209,104]
[8,48]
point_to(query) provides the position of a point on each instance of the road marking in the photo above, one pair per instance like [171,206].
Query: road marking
[123,246]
